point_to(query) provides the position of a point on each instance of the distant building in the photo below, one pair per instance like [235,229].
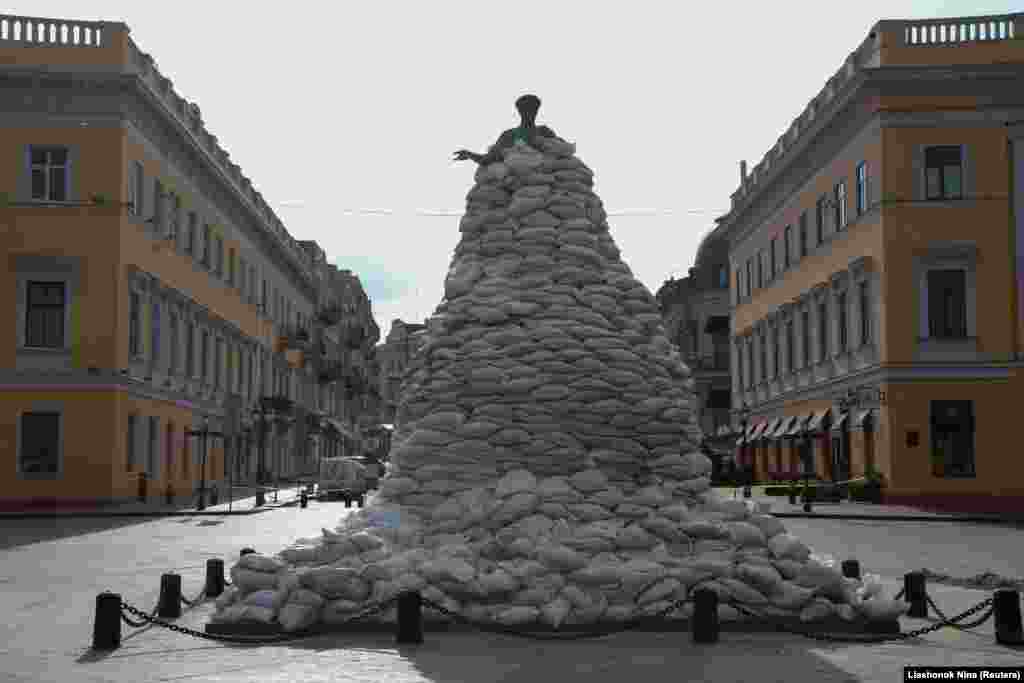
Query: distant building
[696,314]
[395,358]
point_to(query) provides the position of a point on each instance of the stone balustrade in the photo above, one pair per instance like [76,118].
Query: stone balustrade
[16,30]
[909,33]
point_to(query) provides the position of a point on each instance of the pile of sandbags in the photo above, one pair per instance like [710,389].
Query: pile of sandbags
[544,466]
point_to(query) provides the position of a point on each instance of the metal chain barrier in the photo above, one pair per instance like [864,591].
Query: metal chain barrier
[246,640]
[874,638]
[963,627]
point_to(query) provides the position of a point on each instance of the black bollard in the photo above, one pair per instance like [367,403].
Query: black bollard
[1006,608]
[360,501]
[747,492]
[214,578]
[705,616]
[169,495]
[348,502]
[410,619]
[106,629]
[914,592]
[169,606]
[851,569]
[213,496]
[259,498]
[303,500]
[246,551]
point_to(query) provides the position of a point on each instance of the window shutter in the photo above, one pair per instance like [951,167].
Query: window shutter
[917,168]
[967,172]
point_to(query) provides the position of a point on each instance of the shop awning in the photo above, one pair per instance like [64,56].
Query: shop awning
[769,431]
[837,424]
[863,420]
[756,433]
[817,421]
[783,427]
[797,426]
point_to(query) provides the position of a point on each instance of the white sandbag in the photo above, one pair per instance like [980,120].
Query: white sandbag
[822,578]
[497,582]
[744,534]
[787,546]
[881,609]
[769,526]
[300,554]
[304,596]
[635,537]
[818,610]
[296,617]
[659,590]
[789,569]
[518,615]
[248,581]
[788,595]
[561,557]
[700,529]
[663,528]
[245,613]
[336,583]
[589,481]
[227,598]
[846,612]
[743,593]
[385,590]
[515,506]
[764,578]
[677,512]
[260,563]
[453,569]
[556,611]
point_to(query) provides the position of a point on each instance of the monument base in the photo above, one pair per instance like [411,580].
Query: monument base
[833,625]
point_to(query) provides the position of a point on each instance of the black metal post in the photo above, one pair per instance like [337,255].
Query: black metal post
[1006,607]
[214,578]
[915,593]
[851,569]
[169,605]
[705,616]
[410,619]
[106,628]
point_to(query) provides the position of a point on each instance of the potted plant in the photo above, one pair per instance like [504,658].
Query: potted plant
[873,484]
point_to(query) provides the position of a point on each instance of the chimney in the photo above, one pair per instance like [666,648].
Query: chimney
[743,173]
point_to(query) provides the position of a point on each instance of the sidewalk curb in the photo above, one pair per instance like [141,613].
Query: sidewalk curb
[898,518]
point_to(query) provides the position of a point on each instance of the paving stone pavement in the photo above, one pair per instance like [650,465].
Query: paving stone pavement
[48,590]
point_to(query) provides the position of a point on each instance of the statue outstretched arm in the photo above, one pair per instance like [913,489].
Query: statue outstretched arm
[493,154]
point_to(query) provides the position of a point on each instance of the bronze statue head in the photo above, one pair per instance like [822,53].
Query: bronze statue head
[528,106]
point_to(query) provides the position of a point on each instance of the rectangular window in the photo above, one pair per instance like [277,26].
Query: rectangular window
[206,245]
[823,330]
[131,445]
[787,245]
[952,432]
[220,257]
[803,234]
[242,272]
[841,305]
[175,222]
[944,172]
[136,189]
[862,187]
[40,444]
[947,304]
[158,205]
[190,236]
[134,324]
[231,267]
[204,356]
[44,315]
[750,277]
[760,269]
[172,331]
[217,351]
[263,299]
[154,444]
[865,313]
[819,217]
[252,284]
[762,340]
[839,197]
[773,259]
[156,332]
[776,339]
[49,173]
[805,330]
[190,350]
[790,351]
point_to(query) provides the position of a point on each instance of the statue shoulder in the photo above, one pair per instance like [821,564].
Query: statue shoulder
[546,132]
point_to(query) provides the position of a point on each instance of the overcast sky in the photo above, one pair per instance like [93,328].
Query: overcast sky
[345,115]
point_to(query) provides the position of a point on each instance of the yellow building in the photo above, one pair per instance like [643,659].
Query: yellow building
[148,287]
[877,254]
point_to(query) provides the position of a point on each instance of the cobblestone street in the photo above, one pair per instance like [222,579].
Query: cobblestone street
[50,586]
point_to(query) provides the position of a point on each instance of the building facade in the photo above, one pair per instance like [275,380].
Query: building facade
[696,314]
[395,358]
[150,291]
[877,255]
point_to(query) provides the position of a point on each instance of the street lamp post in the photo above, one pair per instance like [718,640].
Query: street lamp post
[744,414]
[204,434]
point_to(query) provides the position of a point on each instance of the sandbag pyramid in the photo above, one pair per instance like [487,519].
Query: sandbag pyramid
[545,468]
